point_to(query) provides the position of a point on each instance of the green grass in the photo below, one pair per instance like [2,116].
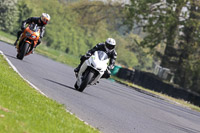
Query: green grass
[58,55]
[23,109]
[7,37]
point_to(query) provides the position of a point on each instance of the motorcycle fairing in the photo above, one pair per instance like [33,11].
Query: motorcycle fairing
[98,61]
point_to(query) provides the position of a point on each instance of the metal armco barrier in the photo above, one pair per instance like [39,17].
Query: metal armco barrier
[125,74]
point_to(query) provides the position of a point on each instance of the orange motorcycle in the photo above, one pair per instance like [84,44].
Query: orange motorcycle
[28,40]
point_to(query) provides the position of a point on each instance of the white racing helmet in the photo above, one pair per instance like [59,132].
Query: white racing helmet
[45,18]
[110,44]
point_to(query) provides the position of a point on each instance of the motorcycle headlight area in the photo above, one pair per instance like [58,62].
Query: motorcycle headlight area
[33,37]
[98,68]
[28,34]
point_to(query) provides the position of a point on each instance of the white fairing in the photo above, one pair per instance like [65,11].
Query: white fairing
[98,61]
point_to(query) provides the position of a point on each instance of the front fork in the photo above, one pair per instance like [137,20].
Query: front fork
[96,77]
[23,42]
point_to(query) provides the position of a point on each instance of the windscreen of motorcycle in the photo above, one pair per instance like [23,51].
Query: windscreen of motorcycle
[34,27]
[102,55]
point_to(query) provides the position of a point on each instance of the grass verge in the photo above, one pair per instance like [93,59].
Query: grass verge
[23,109]
[58,55]
[7,37]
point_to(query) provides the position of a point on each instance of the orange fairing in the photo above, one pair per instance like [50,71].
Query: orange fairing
[31,35]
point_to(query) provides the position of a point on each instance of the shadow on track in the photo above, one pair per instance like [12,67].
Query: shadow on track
[72,88]
[60,84]
[14,57]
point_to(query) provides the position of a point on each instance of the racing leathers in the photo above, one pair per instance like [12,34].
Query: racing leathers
[112,55]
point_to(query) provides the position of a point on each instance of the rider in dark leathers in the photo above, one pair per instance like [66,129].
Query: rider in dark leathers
[40,21]
[109,48]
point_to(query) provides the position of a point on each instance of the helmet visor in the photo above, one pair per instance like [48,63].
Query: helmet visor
[109,46]
[44,20]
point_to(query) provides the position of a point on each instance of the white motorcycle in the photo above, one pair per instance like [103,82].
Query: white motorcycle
[91,70]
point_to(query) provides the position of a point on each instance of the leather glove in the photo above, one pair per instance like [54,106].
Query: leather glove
[109,68]
[85,57]
[88,55]
[22,28]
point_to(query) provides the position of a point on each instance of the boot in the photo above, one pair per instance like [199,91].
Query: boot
[76,70]
[15,43]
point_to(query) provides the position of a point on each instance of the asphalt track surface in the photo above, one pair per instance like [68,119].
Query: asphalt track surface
[108,106]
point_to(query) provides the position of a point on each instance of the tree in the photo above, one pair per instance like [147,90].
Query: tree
[8,14]
[92,14]
[24,12]
[174,23]
[189,45]
[160,20]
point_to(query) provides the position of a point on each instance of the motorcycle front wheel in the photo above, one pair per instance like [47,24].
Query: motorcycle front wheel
[87,77]
[23,50]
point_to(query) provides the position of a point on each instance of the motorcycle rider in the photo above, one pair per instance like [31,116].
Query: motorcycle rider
[40,21]
[109,48]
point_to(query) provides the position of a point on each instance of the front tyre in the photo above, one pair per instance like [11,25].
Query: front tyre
[87,77]
[23,51]
[76,86]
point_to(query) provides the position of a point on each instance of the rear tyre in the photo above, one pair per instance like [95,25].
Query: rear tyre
[87,77]
[23,51]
